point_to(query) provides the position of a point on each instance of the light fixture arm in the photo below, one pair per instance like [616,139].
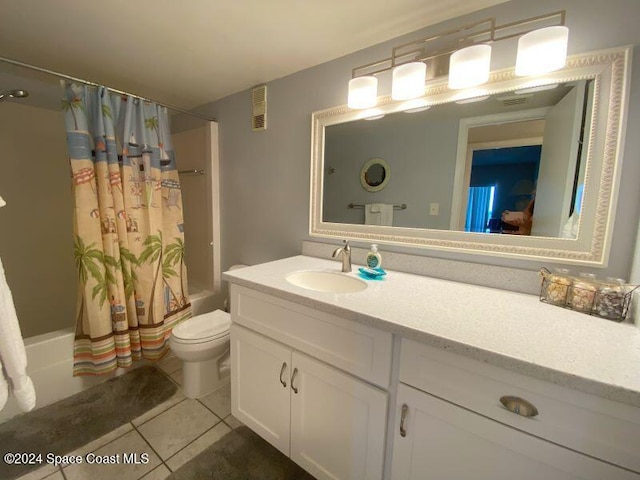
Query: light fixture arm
[483,31]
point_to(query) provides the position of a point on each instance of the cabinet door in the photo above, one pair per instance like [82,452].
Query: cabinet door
[446,442]
[337,422]
[258,397]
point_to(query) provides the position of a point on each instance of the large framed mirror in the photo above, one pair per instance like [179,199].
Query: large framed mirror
[522,167]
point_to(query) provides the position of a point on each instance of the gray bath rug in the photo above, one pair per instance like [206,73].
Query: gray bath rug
[240,455]
[66,425]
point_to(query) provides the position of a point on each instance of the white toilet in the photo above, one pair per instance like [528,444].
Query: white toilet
[202,343]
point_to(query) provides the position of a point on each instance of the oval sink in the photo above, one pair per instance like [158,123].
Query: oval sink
[321,281]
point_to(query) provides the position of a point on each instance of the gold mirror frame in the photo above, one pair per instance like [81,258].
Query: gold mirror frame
[610,70]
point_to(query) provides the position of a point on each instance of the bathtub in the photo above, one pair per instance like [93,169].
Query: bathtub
[50,360]
[202,300]
[50,366]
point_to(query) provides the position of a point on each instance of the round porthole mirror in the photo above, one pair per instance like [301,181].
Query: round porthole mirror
[375,175]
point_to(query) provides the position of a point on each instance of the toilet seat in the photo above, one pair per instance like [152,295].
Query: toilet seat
[203,328]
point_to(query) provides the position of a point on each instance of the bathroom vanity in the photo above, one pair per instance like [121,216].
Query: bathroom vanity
[414,378]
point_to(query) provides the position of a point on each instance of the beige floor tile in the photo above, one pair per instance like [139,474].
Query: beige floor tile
[178,426]
[197,446]
[169,364]
[56,476]
[102,441]
[177,376]
[42,472]
[164,406]
[233,422]
[130,443]
[159,473]
[219,402]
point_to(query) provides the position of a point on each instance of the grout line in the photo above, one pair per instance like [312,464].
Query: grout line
[214,413]
[215,425]
[175,381]
[158,414]
[224,421]
[63,466]
[152,449]
[168,374]
[62,472]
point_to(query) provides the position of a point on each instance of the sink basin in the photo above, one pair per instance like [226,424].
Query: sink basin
[322,281]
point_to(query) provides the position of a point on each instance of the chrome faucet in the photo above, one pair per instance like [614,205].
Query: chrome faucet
[346,256]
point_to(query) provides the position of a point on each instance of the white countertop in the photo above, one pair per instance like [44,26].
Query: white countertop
[507,329]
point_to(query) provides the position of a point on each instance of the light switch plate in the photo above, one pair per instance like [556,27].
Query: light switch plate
[434,208]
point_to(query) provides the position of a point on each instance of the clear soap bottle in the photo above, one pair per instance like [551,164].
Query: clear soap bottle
[374,260]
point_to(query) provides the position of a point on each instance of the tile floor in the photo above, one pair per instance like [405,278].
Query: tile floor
[170,434]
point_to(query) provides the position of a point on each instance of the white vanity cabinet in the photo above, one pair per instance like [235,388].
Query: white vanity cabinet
[450,424]
[327,420]
[455,425]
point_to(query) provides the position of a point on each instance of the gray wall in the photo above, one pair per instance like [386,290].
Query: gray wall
[265,175]
[419,158]
[36,228]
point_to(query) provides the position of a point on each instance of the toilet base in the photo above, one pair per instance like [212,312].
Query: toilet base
[204,377]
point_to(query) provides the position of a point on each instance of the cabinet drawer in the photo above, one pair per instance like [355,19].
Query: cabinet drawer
[355,348]
[595,426]
[442,441]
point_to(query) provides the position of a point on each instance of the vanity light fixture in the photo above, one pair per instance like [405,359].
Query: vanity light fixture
[542,51]
[472,100]
[408,81]
[371,114]
[363,92]
[542,48]
[416,105]
[469,67]
[541,88]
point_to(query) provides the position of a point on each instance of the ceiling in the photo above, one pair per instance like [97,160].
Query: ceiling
[190,52]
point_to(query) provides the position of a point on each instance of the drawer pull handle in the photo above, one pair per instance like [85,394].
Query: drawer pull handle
[293,377]
[403,418]
[284,367]
[519,406]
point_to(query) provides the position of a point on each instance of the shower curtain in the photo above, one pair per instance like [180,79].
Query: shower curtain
[128,229]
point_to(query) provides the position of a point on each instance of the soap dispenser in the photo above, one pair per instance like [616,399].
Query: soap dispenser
[374,260]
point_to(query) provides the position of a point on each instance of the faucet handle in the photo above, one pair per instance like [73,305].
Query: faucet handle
[346,245]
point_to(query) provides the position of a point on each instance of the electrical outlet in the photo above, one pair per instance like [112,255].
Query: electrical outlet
[434,208]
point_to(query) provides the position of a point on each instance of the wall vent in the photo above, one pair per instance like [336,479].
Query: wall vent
[259,102]
[511,100]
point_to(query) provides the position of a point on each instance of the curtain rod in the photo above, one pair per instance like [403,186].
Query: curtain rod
[114,90]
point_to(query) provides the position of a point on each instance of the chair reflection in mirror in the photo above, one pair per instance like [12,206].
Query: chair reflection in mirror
[522,220]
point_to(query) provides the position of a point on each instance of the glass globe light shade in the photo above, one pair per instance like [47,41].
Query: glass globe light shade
[470,67]
[363,92]
[542,51]
[408,81]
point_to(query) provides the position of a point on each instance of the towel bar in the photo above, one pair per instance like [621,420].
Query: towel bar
[402,206]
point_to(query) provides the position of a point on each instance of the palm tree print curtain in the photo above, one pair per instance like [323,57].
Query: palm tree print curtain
[128,230]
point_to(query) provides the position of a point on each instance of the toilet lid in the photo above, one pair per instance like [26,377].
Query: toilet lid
[203,327]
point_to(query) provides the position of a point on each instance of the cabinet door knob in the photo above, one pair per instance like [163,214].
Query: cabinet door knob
[293,377]
[519,406]
[403,418]
[284,367]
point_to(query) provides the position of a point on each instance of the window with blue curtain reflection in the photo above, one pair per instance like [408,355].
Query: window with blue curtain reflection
[479,208]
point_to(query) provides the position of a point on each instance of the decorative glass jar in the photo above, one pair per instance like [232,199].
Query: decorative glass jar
[610,299]
[583,292]
[555,286]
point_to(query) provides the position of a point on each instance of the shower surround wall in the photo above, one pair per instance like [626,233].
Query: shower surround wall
[265,175]
[196,148]
[36,243]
